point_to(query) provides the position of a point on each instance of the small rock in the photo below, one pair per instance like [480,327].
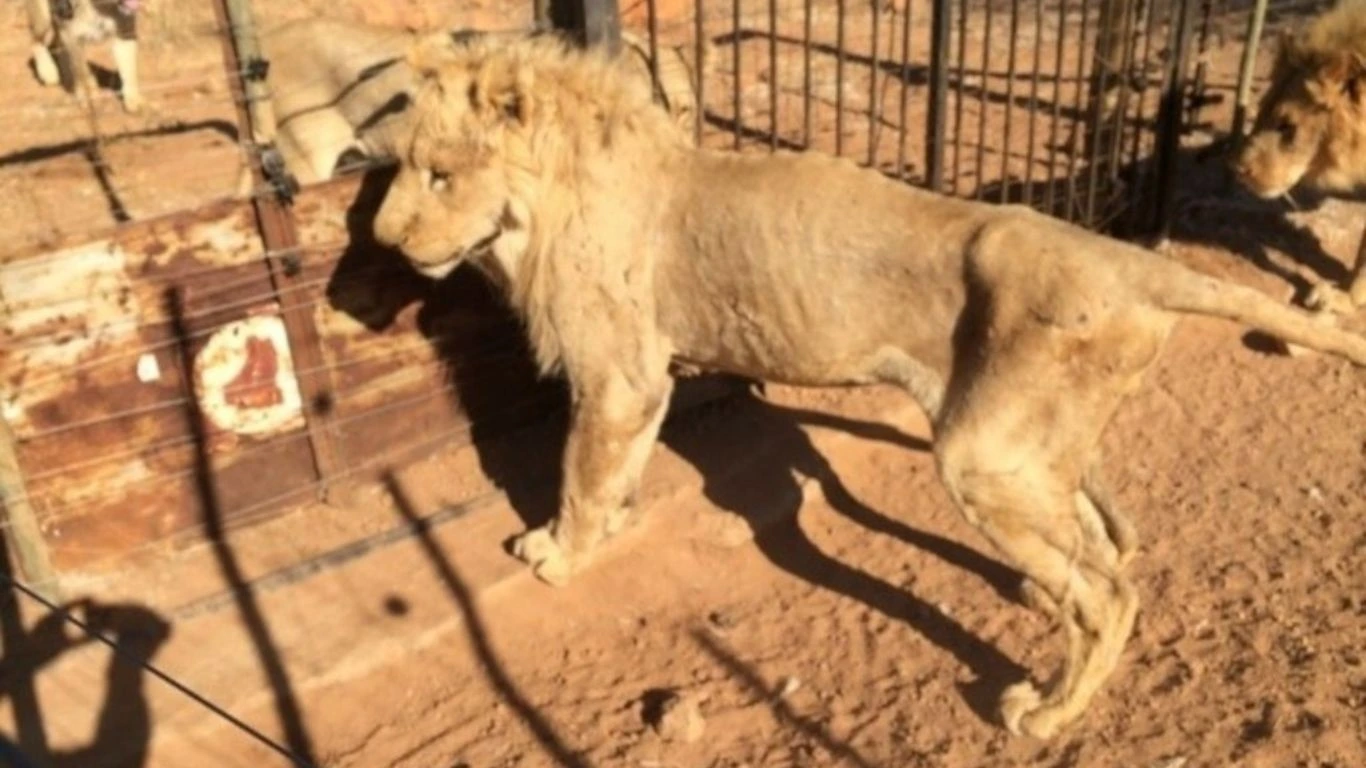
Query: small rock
[788,686]
[674,716]
[1170,762]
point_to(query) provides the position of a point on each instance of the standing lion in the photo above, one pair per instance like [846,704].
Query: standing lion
[1311,124]
[624,248]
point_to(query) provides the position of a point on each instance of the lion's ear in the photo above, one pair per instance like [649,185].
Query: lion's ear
[1347,71]
[502,93]
[428,54]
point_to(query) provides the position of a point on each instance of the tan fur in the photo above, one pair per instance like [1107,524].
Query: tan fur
[323,103]
[88,26]
[624,248]
[1311,124]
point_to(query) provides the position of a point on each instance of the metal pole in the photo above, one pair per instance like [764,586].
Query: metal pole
[1254,37]
[939,86]
[247,71]
[1169,123]
[25,536]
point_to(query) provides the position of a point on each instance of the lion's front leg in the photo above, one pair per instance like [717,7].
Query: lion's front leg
[611,434]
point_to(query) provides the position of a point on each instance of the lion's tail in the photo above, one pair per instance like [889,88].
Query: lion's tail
[1177,289]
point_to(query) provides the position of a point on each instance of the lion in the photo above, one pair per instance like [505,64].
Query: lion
[70,26]
[339,88]
[1310,127]
[624,248]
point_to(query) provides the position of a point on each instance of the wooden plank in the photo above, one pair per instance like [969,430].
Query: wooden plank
[23,534]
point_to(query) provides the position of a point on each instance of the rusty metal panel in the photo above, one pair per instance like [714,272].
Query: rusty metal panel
[408,358]
[92,384]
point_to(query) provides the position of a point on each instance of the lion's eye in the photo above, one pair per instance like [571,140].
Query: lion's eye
[1287,131]
[438,181]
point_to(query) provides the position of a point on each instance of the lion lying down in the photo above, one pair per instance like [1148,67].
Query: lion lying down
[624,248]
[339,88]
[1311,124]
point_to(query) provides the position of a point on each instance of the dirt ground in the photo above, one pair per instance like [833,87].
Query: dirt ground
[864,625]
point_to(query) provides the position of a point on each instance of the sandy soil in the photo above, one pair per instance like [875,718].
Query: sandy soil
[864,626]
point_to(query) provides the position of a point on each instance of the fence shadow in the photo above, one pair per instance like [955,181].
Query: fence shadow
[297,740]
[123,730]
[841,751]
[498,678]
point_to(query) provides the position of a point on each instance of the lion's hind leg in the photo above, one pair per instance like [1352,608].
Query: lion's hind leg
[1018,460]
[1030,514]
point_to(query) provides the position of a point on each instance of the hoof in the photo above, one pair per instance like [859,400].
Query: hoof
[538,549]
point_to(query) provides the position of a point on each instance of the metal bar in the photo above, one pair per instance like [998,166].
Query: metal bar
[1198,83]
[1079,108]
[806,75]
[602,24]
[1169,122]
[905,89]
[1102,65]
[1010,96]
[26,535]
[840,11]
[735,67]
[1130,31]
[773,81]
[1149,32]
[939,83]
[1241,107]
[978,192]
[1051,192]
[1034,102]
[874,69]
[699,54]
[276,224]
[961,83]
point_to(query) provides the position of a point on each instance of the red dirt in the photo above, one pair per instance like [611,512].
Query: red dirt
[871,629]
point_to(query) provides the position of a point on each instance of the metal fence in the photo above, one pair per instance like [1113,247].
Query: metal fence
[1075,107]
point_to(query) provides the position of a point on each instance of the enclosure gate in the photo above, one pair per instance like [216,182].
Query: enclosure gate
[1075,107]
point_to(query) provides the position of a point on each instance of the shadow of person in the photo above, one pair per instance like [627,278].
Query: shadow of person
[767,494]
[123,732]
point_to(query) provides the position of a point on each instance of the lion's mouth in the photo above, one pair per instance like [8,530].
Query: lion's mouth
[441,269]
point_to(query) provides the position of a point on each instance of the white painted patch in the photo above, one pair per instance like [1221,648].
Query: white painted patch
[224,358]
[148,368]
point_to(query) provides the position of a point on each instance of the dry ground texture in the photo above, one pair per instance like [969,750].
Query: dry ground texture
[864,626]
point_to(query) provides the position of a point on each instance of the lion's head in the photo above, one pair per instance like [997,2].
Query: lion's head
[453,196]
[1311,124]
[501,132]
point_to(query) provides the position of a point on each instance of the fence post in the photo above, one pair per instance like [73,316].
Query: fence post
[939,86]
[1109,59]
[247,73]
[593,22]
[1245,67]
[25,536]
[1169,119]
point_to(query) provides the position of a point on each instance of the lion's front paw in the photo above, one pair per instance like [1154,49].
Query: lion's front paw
[548,560]
[1325,298]
[1024,713]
